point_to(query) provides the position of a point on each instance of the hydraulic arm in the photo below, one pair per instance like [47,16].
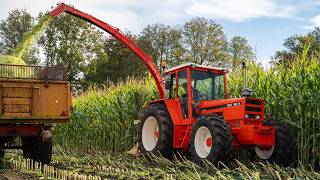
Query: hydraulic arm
[120,36]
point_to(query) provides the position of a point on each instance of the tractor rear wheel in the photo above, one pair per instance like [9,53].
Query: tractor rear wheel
[284,151]
[210,140]
[38,148]
[155,131]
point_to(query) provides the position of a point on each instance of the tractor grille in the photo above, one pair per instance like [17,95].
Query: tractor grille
[254,109]
[252,101]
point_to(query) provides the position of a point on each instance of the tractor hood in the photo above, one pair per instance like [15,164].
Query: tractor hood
[216,104]
[235,108]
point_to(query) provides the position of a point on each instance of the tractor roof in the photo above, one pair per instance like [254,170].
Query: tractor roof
[193,65]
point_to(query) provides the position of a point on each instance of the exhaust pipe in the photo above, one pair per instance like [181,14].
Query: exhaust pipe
[246,92]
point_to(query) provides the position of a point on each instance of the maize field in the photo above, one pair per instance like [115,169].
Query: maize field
[104,119]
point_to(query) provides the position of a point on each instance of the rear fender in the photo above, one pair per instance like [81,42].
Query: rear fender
[174,109]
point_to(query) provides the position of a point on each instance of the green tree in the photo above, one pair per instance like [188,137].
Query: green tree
[163,43]
[12,31]
[122,62]
[205,42]
[76,44]
[295,44]
[240,51]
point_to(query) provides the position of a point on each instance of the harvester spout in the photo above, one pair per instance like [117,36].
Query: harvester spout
[61,7]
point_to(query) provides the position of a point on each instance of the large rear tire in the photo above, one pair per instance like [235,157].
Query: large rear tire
[155,131]
[284,151]
[210,140]
[38,148]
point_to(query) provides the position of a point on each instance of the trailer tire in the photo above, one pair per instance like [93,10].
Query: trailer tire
[38,148]
[155,131]
[218,148]
[285,148]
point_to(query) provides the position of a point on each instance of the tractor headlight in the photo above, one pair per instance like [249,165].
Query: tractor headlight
[257,116]
[246,115]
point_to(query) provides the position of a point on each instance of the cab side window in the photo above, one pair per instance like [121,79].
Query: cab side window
[170,86]
[182,87]
[183,92]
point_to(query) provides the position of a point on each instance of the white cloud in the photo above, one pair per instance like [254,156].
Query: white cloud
[308,27]
[236,10]
[130,15]
[135,14]
[315,22]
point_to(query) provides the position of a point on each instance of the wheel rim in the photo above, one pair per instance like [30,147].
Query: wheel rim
[150,133]
[264,153]
[203,142]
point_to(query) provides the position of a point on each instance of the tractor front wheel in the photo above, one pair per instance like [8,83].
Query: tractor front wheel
[155,131]
[210,140]
[284,151]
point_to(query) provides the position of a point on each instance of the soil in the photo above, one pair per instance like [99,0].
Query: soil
[10,174]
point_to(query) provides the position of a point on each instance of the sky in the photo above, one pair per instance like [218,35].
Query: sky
[265,23]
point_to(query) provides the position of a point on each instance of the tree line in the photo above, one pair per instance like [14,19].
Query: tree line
[295,45]
[92,57]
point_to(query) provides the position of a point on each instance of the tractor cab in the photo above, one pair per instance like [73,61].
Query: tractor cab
[194,91]
[191,84]
[197,116]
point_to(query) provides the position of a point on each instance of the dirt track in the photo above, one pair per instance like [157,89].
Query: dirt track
[14,175]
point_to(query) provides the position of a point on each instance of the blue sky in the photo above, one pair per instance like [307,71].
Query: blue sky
[265,23]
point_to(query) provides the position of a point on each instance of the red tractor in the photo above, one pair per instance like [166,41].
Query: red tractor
[195,114]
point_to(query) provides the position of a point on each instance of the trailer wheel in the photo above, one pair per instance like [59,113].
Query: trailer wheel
[155,131]
[38,148]
[210,140]
[284,151]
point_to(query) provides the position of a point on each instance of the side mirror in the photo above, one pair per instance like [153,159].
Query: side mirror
[167,85]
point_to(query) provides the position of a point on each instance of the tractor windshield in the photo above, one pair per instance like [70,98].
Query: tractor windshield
[207,85]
